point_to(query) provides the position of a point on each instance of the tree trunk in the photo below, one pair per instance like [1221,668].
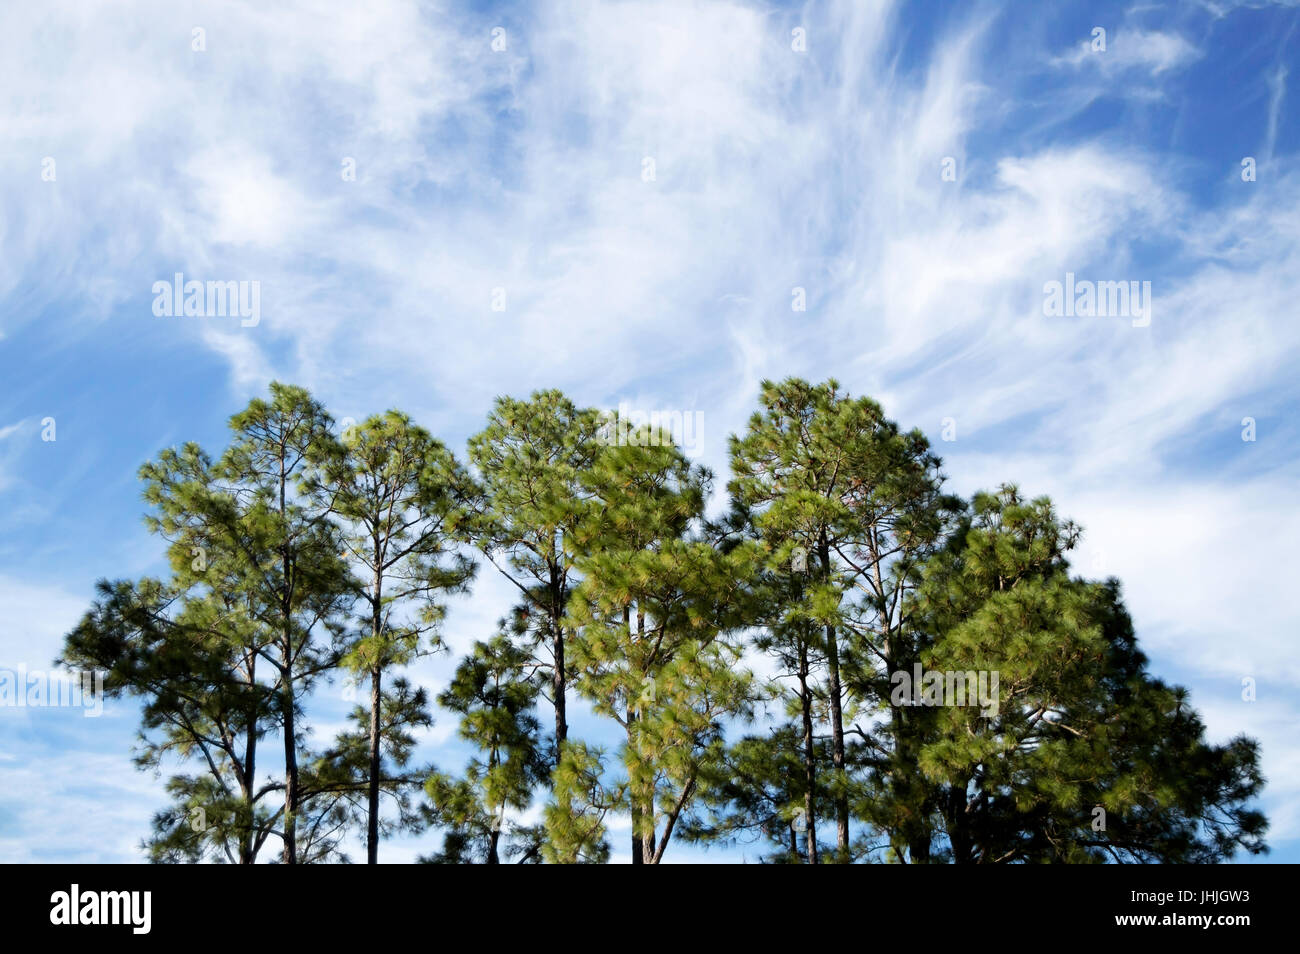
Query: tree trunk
[809,758]
[290,855]
[634,806]
[247,851]
[644,795]
[837,718]
[959,828]
[558,680]
[646,809]
[376,680]
[372,828]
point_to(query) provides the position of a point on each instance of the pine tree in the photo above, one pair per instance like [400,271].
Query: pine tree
[530,459]
[834,487]
[401,498]
[771,780]
[652,613]
[288,552]
[251,612]
[1084,756]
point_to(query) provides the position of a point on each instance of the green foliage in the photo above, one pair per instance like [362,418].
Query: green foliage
[846,505]
[250,619]
[402,503]
[652,613]
[531,459]
[296,557]
[496,699]
[1080,725]
[575,815]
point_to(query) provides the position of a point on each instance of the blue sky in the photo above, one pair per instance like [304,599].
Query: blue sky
[774,169]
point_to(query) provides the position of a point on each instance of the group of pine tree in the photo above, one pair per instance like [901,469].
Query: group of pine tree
[746,659]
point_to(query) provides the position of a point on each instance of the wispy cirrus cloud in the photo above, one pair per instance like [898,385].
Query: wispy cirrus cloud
[1148,51]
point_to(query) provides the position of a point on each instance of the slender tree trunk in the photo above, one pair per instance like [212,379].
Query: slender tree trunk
[246,850]
[376,680]
[634,802]
[643,791]
[498,815]
[635,799]
[638,857]
[959,827]
[558,680]
[290,856]
[245,830]
[561,721]
[247,835]
[372,828]
[809,757]
[642,810]
[915,832]
[647,793]
[837,718]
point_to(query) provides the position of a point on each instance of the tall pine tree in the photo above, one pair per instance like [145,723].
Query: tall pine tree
[835,487]
[1083,755]
[402,500]
[530,460]
[653,614]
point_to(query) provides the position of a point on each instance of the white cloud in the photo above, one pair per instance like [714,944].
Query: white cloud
[1149,51]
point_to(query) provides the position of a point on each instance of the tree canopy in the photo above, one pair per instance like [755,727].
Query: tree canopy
[846,662]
